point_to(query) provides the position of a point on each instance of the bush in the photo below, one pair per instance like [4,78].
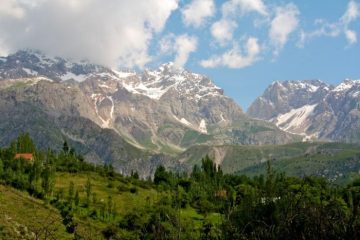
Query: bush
[123,188]
[133,190]
[110,184]
[109,232]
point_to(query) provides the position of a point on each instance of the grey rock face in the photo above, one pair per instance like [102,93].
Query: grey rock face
[312,108]
[281,97]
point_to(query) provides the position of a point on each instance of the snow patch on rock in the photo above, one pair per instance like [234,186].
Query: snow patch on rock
[30,72]
[295,120]
[202,126]
[183,121]
[122,74]
[70,75]
[104,86]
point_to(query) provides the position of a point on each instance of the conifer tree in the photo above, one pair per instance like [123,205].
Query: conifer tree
[77,198]
[88,191]
[71,191]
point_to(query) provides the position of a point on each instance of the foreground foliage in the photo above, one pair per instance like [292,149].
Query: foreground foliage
[85,201]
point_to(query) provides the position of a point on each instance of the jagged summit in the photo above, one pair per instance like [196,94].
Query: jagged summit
[311,85]
[31,63]
[312,108]
[346,85]
[283,96]
[170,68]
[153,83]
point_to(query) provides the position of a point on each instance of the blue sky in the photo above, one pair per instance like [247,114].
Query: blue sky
[324,57]
[243,45]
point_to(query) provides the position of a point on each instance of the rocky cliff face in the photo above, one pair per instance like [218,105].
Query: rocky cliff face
[312,108]
[52,113]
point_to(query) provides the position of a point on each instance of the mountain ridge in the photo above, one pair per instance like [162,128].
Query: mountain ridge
[165,110]
[321,111]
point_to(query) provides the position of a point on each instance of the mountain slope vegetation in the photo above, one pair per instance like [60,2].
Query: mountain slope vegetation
[336,161]
[77,200]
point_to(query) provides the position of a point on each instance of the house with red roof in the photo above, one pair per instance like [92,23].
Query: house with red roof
[27,156]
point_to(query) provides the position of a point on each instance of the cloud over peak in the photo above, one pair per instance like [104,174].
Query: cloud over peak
[11,8]
[109,34]
[180,46]
[184,45]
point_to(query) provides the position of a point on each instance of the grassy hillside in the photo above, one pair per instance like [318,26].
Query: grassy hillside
[334,161]
[237,157]
[24,217]
[317,158]
[128,195]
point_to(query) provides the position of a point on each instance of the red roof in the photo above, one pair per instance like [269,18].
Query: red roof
[27,156]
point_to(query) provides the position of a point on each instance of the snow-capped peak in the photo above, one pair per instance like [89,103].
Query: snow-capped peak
[165,69]
[303,85]
[154,83]
[170,67]
[32,63]
[124,73]
[346,85]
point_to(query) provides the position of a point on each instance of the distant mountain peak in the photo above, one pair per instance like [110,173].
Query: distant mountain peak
[312,108]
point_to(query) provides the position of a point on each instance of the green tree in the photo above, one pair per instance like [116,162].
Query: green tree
[71,191]
[1,168]
[134,175]
[110,205]
[88,187]
[48,179]
[66,148]
[162,176]
[77,198]
[35,172]
[25,144]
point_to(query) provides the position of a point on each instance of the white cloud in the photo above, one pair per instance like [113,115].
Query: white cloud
[335,29]
[284,23]
[351,14]
[351,36]
[222,30]
[181,46]
[11,8]
[235,58]
[243,6]
[325,29]
[111,33]
[184,45]
[3,50]
[196,12]
[166,44]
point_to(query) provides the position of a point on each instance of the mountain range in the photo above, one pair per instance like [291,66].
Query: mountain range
[138,120]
